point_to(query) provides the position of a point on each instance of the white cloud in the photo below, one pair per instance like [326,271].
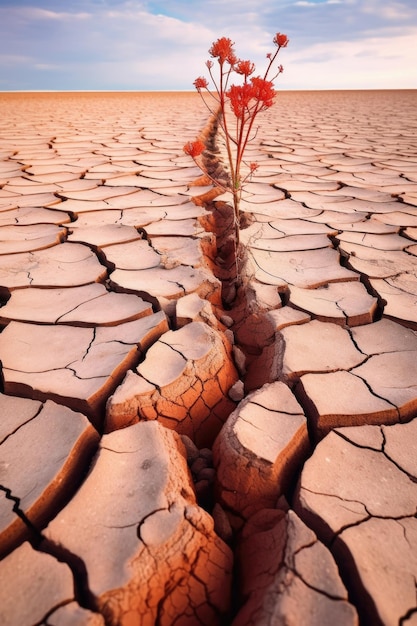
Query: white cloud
[163,44]
[14,59]
[29,14]
[46,66]
[396,11]
[309,3]
[367,64]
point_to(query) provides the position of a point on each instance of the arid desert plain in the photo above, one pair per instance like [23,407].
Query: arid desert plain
[180,449]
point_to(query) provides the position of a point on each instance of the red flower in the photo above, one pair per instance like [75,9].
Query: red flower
[222,49]
[200,83]
[263,90]
[246,68]
[194,148]
[258,90]
[253,166]
[240,96]
[281,40]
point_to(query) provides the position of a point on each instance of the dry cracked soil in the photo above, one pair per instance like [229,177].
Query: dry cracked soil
[179,447]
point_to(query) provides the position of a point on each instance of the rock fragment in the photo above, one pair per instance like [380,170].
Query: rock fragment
[390,370]
[266,367]
[342,398]
[43,459]
[381,390]
[168,283]
[399,294]
[287,576]
[15,239]
[149,551]
[189,393]
[46,593]
[384,336]
[103,235]
[192,308]
[87,363]
[134,255]
[358,493]
[88,305]
[377,263]
[28,216]
[287,316]
[191,251]
[392,376]
[258,451]
[307,269]
[66,265]
[15,412]
[318,347]
[341,303]
[73,615]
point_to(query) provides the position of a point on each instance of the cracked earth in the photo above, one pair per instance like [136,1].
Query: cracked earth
[178,448]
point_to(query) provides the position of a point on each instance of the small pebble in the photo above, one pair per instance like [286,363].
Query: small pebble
[240,360]
[191,449]
[207,473]
[237,391]
[206,453]
[221,523]
[230,336]
[226,320]
[198,465]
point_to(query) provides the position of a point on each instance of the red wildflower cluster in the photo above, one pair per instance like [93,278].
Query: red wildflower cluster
[263,92]
[222,49]
[240,97]
[200,83]
[246,68]
[254,96]
[194,148]
[244,101]
[281,40]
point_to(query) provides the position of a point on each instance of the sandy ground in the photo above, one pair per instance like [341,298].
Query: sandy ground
[102,250]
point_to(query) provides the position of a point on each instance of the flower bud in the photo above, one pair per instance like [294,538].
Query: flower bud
[281,40]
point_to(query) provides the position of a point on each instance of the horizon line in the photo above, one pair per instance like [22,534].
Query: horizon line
[194,91]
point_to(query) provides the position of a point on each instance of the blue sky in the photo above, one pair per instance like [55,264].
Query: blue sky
[163,45]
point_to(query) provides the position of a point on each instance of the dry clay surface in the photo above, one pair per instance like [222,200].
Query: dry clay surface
[166,437]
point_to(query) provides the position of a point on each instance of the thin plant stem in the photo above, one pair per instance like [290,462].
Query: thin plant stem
[245,102]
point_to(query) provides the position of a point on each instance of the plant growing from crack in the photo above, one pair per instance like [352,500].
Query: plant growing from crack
[235,108]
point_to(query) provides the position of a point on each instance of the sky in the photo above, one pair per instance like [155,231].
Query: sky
[163,44]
